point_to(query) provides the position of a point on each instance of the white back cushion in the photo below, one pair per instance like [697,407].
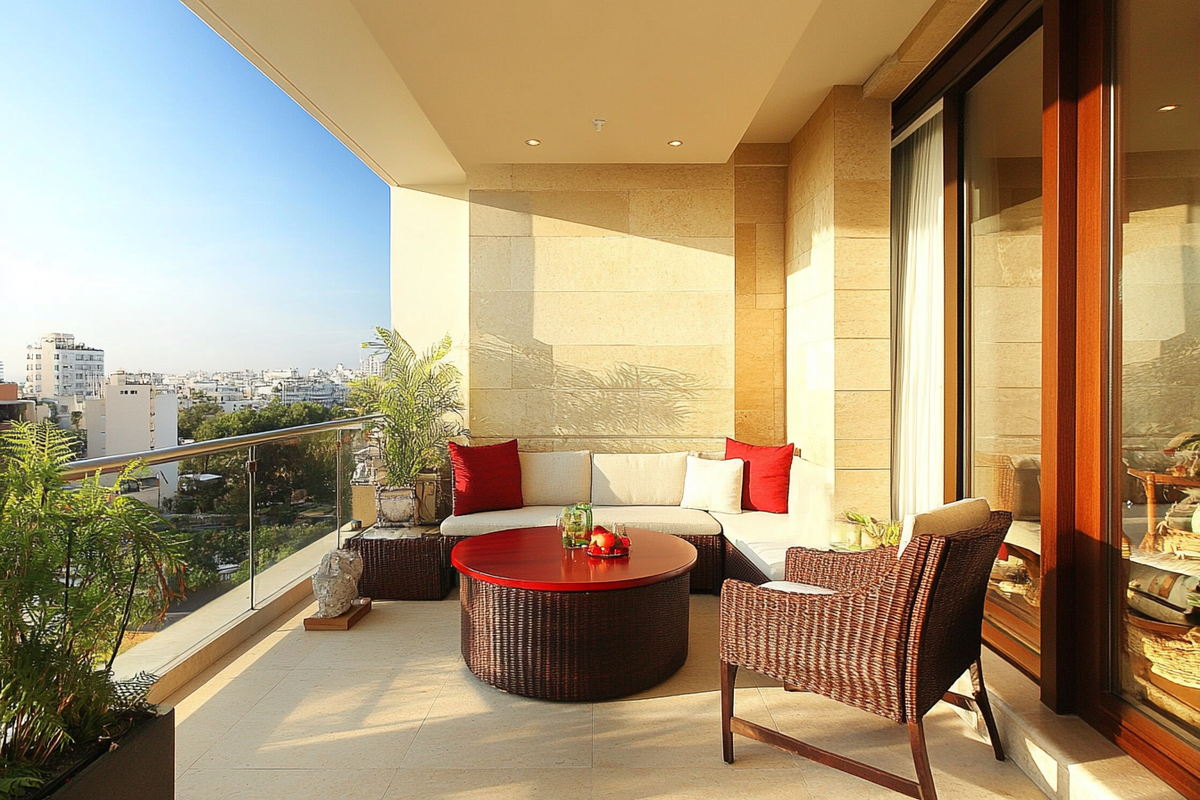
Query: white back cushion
[556,479]
[625,479]
[810,501]
[713,485]
[961,515]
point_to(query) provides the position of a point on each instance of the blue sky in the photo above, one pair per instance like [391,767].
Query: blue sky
[163,200]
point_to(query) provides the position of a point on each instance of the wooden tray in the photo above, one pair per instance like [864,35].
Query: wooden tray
[348,619]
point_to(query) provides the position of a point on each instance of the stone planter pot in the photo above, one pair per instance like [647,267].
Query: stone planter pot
[140,767]
[396,506]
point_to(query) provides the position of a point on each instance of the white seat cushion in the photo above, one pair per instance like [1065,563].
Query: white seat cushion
[796,588]
[629,479]
[492,521]
[764,538]
[665,519]
[556,479]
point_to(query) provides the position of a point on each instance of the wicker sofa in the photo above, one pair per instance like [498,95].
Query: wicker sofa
[645,491]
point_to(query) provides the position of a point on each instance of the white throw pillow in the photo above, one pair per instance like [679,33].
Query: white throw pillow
[556,479]
[713,485]
[961,515]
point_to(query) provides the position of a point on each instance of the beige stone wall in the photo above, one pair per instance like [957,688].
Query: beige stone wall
[838,315]
[602,306]
[760,365]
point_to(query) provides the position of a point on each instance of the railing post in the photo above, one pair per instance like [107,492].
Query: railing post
[251,468]
[338,439]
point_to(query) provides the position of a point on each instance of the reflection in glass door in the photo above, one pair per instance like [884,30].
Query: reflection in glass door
[1002,162]
[1157,582]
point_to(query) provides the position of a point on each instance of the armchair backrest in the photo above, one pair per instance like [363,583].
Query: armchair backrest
[944,637]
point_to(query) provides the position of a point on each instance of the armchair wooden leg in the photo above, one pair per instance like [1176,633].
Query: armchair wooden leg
[985,708]
[728,675]
[916,738]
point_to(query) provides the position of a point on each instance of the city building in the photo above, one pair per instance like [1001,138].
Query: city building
[313,390]
[13,408]
[132,417]
[371,366]
[57,365]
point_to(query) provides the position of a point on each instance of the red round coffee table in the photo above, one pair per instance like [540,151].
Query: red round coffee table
[542,621]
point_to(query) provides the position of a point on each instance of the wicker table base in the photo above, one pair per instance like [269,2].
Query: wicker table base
[574,645]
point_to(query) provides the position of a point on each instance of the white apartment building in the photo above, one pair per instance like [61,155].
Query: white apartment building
[312,390]
[371,366]
[131,417]
[56,365]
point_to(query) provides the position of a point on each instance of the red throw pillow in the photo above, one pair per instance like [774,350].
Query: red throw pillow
[765,475]
[486,478]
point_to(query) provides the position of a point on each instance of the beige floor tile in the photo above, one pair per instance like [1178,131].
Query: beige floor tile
[472,723]
[487,784]
[203,717]
[315,719]
[359,783]
[678,731]
[388,709]
[717,783]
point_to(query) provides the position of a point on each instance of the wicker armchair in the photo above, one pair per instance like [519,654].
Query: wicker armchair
[891,640]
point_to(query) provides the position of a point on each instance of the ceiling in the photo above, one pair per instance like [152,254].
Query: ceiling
[420,88]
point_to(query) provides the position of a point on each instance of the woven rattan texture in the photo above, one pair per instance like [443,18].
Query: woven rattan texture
[861,646]
[739,567]
[574,645]
[402,569]
[710,562]
[948,611]
[839,571]
[848,646]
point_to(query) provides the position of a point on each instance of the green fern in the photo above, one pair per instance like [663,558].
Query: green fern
[79,566]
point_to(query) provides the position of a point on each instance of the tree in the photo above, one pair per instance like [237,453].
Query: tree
[191,418]
[307,463]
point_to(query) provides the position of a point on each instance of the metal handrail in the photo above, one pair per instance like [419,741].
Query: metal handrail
[76,470]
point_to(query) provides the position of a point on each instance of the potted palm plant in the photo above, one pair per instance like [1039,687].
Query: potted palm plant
[418,396]
[79,567]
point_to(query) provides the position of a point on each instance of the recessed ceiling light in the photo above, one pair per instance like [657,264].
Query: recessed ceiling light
[533,142]
[674,143]
[1170,107]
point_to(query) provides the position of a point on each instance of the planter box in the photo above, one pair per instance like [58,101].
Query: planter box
[140,767]
[402,569]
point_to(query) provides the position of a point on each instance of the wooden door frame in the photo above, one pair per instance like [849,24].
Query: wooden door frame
[1080,348]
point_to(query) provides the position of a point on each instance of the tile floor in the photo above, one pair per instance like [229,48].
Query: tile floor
[388,711]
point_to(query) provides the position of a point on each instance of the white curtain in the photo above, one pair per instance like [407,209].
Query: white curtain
[918,321]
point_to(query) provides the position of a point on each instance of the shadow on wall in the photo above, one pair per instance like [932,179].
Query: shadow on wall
[620,399]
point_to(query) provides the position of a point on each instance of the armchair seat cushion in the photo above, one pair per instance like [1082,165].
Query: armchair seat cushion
[796,588]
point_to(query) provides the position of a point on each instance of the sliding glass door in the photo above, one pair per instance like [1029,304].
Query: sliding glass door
[1156,231]
[1002,329]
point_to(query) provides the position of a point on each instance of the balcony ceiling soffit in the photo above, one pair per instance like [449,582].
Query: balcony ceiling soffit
[491,75]
[417,88]
[843,44]
[325,58]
